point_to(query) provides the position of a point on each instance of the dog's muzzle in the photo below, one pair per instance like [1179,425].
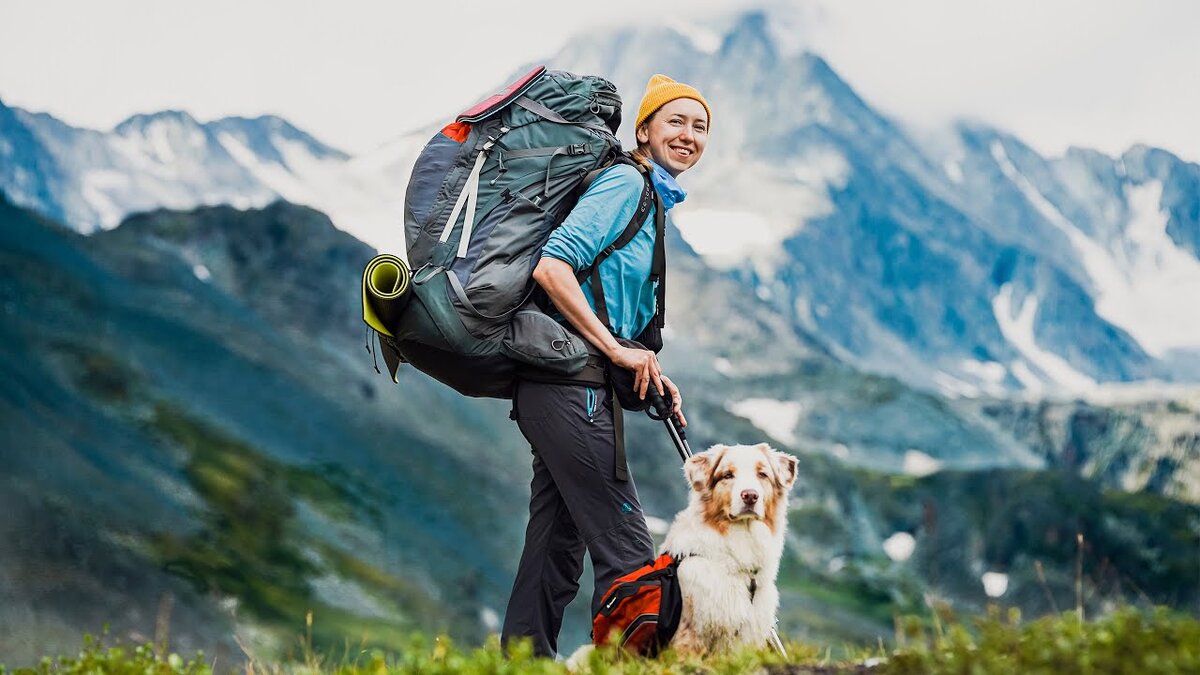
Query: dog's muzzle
[749,505]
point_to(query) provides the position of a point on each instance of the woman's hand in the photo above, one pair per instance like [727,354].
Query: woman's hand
[676,399]
[644,365]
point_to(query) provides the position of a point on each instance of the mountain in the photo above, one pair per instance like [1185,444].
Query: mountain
[92,179]
[964,262]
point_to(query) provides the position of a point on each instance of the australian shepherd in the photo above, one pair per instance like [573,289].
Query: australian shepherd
[729,541]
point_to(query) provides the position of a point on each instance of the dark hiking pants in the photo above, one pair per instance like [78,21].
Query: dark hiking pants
[575,502]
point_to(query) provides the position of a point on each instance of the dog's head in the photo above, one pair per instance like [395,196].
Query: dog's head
[741,482]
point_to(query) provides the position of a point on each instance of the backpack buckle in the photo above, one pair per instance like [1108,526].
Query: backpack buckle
[577,149]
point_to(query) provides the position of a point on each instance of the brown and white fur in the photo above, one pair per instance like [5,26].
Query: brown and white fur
[730,539]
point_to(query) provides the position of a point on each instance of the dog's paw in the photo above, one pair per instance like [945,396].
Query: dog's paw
[578,660]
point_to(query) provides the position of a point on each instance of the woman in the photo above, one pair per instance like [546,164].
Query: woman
[576,501]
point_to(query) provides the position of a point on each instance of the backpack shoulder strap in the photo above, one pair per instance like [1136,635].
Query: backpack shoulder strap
[649,197]
[657,272]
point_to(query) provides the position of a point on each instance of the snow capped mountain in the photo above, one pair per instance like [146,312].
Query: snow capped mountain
[1122,228]
[93,179]
[960,260]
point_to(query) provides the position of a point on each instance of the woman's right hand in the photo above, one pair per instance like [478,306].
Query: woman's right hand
[644,365]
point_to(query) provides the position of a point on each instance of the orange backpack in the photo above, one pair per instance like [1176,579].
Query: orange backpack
[642,607]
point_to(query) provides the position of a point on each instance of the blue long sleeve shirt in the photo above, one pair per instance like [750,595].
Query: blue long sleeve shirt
[597,220]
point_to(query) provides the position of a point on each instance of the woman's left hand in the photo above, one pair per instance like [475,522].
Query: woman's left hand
[676,399]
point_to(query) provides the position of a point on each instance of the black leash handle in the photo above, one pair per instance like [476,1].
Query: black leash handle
[666,415]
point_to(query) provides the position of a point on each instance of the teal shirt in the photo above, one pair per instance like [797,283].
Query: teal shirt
[597,220]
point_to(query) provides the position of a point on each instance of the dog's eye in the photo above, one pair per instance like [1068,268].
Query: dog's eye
[763,475]
[727,475]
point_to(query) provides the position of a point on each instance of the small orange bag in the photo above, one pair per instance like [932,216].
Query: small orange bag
[642,607]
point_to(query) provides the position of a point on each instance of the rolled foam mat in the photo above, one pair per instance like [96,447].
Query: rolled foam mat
[385,292]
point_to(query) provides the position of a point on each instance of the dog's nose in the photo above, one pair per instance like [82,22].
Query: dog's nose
[749,496]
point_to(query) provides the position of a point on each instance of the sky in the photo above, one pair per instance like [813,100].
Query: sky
[1097,73]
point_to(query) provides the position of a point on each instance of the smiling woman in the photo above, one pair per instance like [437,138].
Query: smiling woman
[582,495]
[672,125]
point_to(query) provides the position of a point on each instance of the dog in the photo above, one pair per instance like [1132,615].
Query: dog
[729,541]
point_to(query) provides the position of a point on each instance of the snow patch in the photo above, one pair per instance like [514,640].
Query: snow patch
[917,463]
[490,619]
[274,176]
[995,584]
[777,418]
[953,171]
[723,366]
[96,187]
[1027,377]
[360,196]
[841,451]
[1156,301]
[900,546]
[952,387]
[991,372]
[201,272]
[1018,330]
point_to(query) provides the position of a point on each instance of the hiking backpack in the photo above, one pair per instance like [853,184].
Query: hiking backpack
[484,195]
[642,608]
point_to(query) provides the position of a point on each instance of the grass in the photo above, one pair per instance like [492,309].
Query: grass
[1130,640]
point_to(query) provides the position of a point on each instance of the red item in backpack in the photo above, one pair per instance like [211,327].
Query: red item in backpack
[642,607]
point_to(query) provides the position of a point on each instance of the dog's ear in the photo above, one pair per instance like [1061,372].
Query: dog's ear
[785,468]
[765,448]
[699,467]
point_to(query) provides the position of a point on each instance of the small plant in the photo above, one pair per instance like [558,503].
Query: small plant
[98,656]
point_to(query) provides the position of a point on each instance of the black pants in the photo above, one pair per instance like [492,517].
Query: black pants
[575,503]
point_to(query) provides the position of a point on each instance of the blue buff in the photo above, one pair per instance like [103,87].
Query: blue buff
[667,188]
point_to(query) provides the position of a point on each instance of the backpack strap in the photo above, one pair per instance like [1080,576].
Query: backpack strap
[548,114]
[658,265]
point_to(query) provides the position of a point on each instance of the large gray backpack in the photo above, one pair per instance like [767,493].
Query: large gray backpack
[484,196]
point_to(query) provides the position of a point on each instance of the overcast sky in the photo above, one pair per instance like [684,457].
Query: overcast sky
[1098,73]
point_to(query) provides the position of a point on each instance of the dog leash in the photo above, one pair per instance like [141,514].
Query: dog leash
[660,410]
[777,643]
[667,416]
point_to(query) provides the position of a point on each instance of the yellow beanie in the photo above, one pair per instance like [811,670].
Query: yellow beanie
[661,90]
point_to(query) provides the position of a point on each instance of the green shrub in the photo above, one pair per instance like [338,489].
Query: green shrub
[98,657]
[1127,641]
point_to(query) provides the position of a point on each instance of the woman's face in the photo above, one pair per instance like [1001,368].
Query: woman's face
[676,135]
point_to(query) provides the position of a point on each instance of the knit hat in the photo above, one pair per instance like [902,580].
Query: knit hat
[661,90]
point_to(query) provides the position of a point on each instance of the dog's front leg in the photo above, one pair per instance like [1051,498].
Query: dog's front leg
[687,639]
[763,610]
